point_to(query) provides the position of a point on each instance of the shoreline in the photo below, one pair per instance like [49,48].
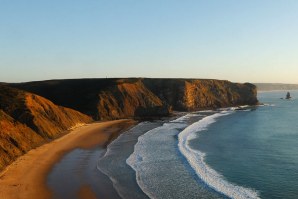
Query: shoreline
[196,159]
[27,176]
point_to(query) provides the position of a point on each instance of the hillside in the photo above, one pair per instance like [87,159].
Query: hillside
[105,99]
[15,139]
[27,120]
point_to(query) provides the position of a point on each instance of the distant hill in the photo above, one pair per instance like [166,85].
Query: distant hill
[275,86]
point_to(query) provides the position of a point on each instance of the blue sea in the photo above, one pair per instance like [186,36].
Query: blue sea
[226,153]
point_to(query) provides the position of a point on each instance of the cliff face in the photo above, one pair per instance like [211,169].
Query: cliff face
[128,99]
[38,113]
[103,99]
[27,120]
[15,139]
[138,97]
[192,94]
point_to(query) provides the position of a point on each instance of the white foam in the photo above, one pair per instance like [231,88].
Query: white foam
[135,160]
[233,108]
[197,161]
[139,158]
[185,117]
[206,111]
[123,191]
[267,104]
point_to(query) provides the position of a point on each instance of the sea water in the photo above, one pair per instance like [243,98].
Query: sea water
[113,163]
[227,153]
[161,171]
[256,149]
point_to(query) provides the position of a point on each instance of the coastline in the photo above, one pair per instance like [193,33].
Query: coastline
[26,177]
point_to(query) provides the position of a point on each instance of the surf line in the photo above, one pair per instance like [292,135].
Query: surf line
[196,159]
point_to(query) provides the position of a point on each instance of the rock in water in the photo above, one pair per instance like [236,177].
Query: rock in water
[288,96]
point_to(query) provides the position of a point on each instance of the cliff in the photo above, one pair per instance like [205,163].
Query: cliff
[27,120]
[193,94]
[38,113]
[105,99]
[15,139]
[128,99]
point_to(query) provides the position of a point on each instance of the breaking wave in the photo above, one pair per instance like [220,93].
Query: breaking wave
[197,161]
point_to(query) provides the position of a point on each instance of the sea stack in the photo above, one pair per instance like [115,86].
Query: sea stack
[288,96]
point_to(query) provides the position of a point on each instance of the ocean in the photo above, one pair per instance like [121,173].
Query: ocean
[227,153]
[257,149]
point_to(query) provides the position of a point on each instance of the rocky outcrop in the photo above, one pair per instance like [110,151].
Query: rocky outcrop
[142,97]
[27,120]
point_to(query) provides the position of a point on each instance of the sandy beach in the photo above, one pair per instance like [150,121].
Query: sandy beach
[26,177]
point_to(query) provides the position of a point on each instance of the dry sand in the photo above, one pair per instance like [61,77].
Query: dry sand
[26,177]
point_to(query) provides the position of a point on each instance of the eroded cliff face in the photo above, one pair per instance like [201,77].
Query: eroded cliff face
[48,119]
[129,99]
[105,99]
[201,94]
[27,120]
[15,139]
[38,113]
[192,94]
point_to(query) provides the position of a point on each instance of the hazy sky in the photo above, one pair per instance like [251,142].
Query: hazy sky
[252,40]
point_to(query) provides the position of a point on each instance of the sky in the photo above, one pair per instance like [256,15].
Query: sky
[240,41]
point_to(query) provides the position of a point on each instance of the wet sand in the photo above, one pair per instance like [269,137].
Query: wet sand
[76,176]
[26,178]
